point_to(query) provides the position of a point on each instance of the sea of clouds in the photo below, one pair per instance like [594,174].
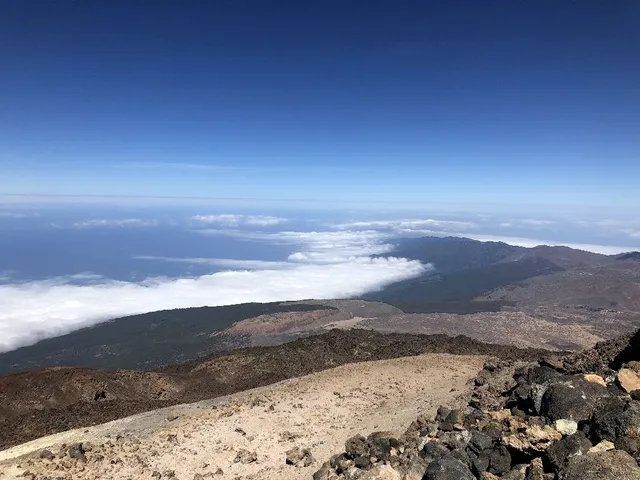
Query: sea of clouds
[322,265]
[334,260]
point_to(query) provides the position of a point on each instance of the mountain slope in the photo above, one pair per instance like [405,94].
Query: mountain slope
[43,402]
[455,292]
[148,340]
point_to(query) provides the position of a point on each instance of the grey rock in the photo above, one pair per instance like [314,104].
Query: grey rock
[611,465]
[415,470]
[76,451]
[563,450]
[499,460]
[353,473]
[628,444]
[479,441]
[356,446]
[341,463]
[455,417]
[299,457]
[481,463]
[461,455]
[381,443]
[448,468]
[324,473]
[572,399]
[443,412]
[245,456]
[433,451]
[455,440]
[47,455]
[614,418]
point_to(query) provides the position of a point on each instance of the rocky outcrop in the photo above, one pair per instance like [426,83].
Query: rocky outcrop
[544,421]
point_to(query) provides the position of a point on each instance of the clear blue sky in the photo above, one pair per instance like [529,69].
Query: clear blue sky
[520,101]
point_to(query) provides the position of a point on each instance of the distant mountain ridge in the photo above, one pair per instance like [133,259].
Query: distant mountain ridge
[467,270]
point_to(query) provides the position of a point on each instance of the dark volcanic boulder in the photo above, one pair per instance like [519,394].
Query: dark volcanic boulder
[629,445]
[571,399]
[564,450]
[611,465]
[630,352]
[433,451]
[532,383]
[479,441]
[499,460]
[448,468]
[614,417]
[383,444]
[356,446]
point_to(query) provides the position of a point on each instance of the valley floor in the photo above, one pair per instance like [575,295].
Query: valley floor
[318,412]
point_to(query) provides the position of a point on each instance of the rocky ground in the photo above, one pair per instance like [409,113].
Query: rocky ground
[282,431]
[39,403]
[572,419]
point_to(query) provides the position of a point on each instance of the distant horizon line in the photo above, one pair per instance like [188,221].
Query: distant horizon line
[295,199]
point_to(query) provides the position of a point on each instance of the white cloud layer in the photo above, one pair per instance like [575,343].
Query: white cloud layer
[238,220]
[410,225]
[532,242]
[124,222]
[326,265]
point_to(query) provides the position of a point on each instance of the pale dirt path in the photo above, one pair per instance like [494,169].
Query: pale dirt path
[323,409]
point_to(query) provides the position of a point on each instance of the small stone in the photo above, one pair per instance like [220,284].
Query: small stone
[566,427]
[172,438]
[325,473]
[76,451]
[156,474]
[443,412]
[593,378]
[533,439]
[47,455]
[245,457]
[381,472]
[356,446]
[169,474]
[299,457]
[535,470]
[603,446]
[628,380]
[488,476]
[240,431]
[171,417]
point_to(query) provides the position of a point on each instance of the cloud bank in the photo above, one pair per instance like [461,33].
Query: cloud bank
[125,222]
[324,265]
[238,220]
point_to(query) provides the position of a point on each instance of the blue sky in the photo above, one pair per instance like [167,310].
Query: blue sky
[506,102]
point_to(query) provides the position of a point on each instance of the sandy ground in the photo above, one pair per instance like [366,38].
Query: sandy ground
[318,412]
